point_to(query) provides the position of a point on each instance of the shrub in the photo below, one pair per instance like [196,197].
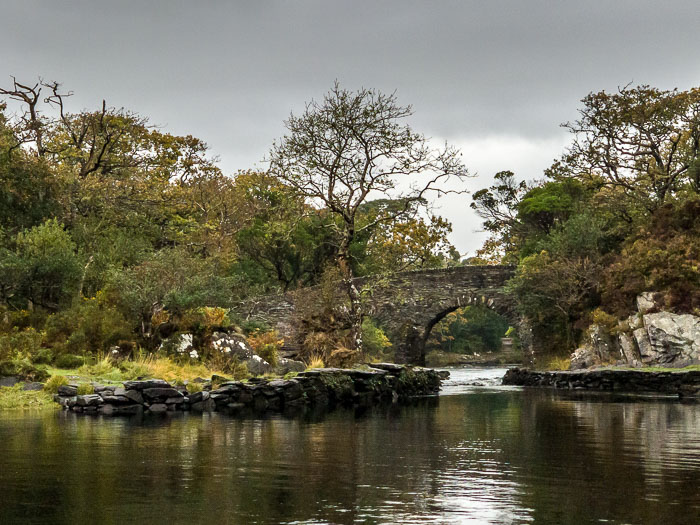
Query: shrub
[374,342]
[19,344]
[85,389]
[67,361]
[51,386]
[22,367]
[193,387]
[266,345]
[90,325]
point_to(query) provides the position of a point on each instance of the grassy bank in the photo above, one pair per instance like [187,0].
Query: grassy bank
[14,398]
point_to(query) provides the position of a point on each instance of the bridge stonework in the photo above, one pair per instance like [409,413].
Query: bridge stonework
[407,305]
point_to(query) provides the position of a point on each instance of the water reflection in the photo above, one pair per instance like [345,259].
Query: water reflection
[480,455]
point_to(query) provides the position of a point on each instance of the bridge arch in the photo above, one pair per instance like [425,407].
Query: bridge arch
[407,305]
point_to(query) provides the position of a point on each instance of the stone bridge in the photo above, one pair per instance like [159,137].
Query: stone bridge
[407,305]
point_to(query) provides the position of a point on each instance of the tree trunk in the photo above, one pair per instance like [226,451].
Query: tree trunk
[353,294]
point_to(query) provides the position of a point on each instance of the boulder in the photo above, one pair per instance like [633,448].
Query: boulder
[235,347]
[68,390]
[257,366]
[232,345]
[89,400]
[180,345]
[148,383]
[284,366]
[9,380]
[673,337]
[161,393]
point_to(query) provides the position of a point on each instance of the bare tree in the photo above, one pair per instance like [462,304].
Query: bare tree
[351,147]
[30,125]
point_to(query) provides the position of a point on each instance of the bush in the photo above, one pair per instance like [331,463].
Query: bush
[54,382]
[374,342]
[266,345]
[19,344]
[22,367]
[85,389]
[68,361]
[89,326]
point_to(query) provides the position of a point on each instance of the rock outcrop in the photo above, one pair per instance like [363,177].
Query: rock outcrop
[650,337]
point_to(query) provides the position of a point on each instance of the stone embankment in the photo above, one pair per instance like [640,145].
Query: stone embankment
[682,383]
[318,387]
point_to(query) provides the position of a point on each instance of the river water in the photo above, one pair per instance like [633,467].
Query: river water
[474,454]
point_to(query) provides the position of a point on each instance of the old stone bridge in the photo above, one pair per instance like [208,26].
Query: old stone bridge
[407,305]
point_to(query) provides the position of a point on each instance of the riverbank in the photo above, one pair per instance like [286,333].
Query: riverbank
[681,382]
[363,386]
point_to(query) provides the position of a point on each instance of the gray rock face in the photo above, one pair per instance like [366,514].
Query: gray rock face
[645,302]
[599,348]
[673,337]
[629,350]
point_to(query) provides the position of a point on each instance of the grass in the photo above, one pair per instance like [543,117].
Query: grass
[691,368]
[315,361]
[106,371]
[559,363]
[14,398]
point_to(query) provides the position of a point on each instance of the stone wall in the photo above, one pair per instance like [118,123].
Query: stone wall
[683,384]
[325,387]
[407,304]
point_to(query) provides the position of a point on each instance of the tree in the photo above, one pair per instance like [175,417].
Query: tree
[349,148]
[641,139]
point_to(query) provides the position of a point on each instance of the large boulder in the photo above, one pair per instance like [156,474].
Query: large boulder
[674,339]
[180,345]
[235,347]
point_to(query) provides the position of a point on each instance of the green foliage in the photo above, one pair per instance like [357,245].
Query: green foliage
[51,386]
[19,343]
[469,330]
[68,361]
[194,386]
[374,341]
[85,388]
[88,326]
[14,398]
[43,269]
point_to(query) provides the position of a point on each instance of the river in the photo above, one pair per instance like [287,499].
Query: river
[474,454]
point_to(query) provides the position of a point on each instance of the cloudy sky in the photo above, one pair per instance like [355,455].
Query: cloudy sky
[495,78]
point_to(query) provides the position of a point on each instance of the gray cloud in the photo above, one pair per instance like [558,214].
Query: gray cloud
[230,72]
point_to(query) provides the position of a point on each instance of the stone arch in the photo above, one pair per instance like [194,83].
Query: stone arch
[410,338]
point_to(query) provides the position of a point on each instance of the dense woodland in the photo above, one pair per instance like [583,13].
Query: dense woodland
[115,232]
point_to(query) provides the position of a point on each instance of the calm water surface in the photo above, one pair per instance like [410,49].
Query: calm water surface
[475,454]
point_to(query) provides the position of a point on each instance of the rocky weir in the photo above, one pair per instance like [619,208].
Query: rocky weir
[681,383]
[325,387]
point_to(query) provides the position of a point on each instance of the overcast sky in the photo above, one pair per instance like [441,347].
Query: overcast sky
[495,78]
